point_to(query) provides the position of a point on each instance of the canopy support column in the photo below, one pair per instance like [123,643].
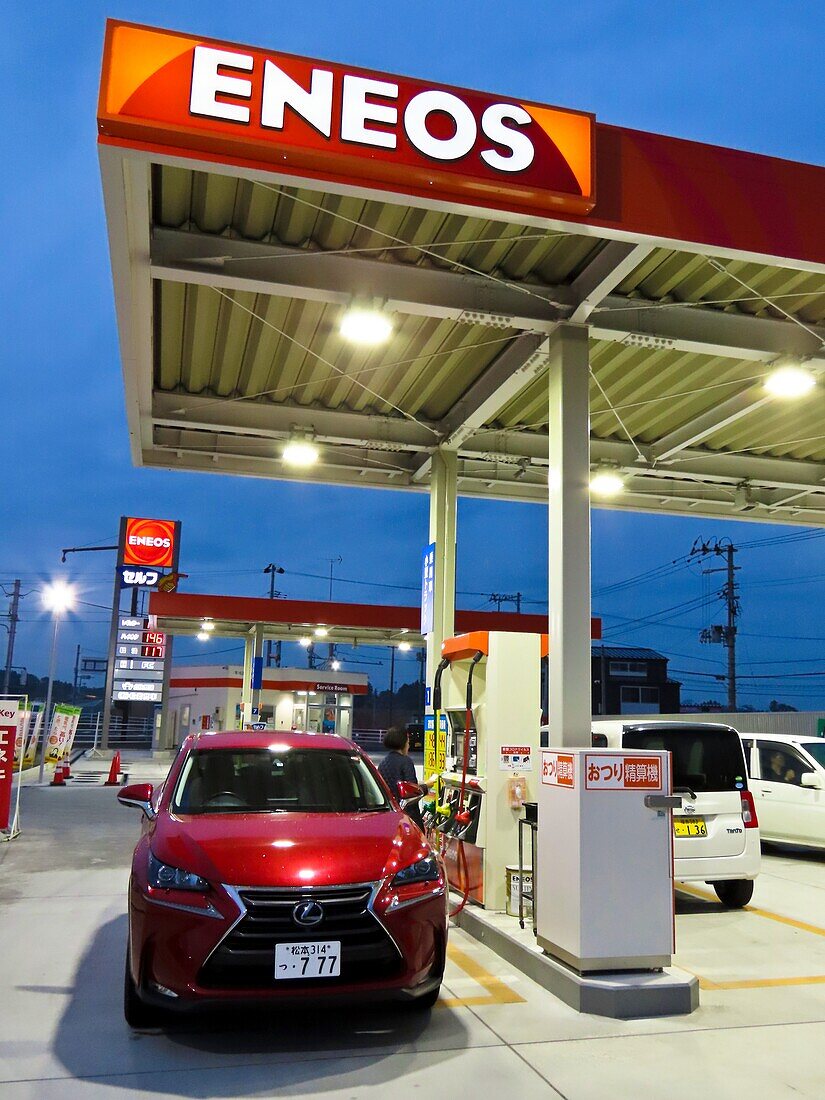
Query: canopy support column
[569,702]
[443,505]
[250,694]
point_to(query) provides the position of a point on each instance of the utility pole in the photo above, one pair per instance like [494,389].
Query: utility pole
[76,683]
[724,635]
[13,617]
[392,683]
[499,598]
[331,648]
[272,569]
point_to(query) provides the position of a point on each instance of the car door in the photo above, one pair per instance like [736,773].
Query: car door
[783,805]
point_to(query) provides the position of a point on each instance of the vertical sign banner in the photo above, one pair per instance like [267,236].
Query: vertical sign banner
[70,733]
[30,756]
[427,588]
[64,723]
[24,717]
[8,736]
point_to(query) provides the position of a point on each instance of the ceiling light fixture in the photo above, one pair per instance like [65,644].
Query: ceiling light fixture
[790,382]
[321,632]
[300,451]
[306,641]
[366,326]
[404,647]
[207,625]
[202,636]
[606,482]
[335,666]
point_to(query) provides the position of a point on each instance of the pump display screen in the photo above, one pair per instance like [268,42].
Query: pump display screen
[455,748]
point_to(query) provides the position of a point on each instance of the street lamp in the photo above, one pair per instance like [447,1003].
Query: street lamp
[58,597]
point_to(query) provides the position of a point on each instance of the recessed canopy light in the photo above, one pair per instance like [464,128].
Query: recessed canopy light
[790,382]
[369,327]
[207,625]
[300,452]
[321,632]
[203,636]
[404,647]
[606,483]
[306,641]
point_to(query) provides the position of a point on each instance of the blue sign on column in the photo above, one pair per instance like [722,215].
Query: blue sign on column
[257,673]
[427,588]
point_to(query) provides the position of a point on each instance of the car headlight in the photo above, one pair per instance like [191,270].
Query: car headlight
[164,877]
[425,870]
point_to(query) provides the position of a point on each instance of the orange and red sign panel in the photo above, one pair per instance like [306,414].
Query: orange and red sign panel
[149,542]
[558,769]
[187,96]
[614,772]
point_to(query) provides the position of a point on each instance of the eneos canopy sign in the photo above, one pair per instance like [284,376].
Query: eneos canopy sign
[186,96]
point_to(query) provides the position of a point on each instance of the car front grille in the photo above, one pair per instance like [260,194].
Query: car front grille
[245,958]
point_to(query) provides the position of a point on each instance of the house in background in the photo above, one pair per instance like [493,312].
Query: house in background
[631,680]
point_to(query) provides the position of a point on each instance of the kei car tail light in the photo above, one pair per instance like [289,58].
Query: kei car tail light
[749,818]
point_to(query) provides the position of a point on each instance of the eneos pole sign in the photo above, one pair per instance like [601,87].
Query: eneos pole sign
[188,96]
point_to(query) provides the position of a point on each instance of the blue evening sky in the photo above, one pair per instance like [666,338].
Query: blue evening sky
[744,74]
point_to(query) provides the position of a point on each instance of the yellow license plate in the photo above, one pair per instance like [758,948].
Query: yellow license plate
[689,826]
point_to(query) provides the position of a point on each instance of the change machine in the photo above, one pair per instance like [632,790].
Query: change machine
[604,880]
[478,811]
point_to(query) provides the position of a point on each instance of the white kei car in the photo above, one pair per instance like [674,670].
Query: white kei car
[787,778]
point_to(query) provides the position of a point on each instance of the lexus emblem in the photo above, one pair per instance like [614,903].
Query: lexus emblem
[308,913]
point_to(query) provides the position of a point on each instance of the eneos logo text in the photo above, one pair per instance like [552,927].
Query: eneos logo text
[149,542]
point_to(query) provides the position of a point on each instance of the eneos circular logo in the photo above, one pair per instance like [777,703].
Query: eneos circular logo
[149,542]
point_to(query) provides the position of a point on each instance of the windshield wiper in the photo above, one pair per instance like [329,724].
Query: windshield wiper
[685,790]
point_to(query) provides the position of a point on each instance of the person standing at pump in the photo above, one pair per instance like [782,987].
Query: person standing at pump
[396,767]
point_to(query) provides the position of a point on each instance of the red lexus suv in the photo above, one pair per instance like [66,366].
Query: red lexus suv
[277,867]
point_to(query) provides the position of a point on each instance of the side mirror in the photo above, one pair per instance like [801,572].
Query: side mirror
[407,793]
[811,779]
[140,795]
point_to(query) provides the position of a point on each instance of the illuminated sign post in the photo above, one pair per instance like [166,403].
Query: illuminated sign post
[208,99]
[137,668]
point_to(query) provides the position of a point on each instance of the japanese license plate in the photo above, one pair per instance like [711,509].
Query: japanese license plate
[689,826]
[308,960]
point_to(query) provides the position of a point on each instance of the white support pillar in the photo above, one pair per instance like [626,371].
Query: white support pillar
[253,647]
[569,702]
[443,507]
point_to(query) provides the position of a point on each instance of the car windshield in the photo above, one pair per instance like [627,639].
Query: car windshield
[816,749]
[277,780]
[703,759]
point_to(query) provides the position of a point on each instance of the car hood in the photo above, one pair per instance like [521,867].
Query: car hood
[289,849]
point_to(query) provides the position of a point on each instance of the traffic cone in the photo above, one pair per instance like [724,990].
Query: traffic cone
[114,772]
[67,769]
[58,779]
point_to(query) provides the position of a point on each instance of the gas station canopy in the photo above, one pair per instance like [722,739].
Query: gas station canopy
[254,198]
[182,613]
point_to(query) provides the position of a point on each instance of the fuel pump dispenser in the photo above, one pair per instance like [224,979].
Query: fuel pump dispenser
[484,749]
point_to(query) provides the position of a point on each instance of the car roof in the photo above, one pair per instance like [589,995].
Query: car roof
[607,725]
[262,739]
[783,738]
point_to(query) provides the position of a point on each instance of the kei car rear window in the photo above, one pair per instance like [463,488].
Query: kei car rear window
[277,780]
[703,760]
